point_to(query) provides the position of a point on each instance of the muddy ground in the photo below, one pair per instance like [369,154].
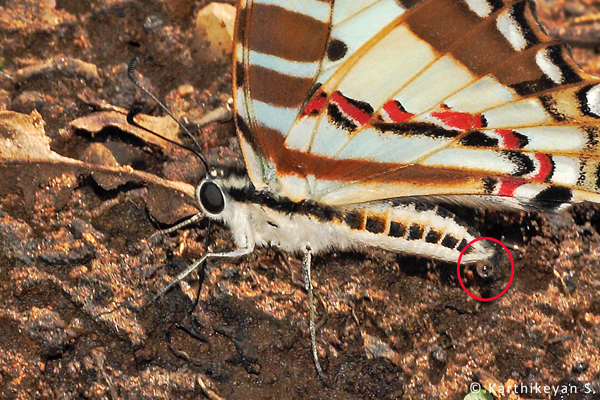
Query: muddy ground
[79,262]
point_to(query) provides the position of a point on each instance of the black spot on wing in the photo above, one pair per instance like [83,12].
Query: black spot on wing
[360,105]
[484,122]
[523,164]
[400,106]
[343,119]
[593,135]
[462,245]
[479,139]
[584,101]
[552,197]
[517,12]
[336,50]
[338,118]
[527,88]
[240,75]
[550,105]
[522,139]
[416,129]
[489,185]
[556,54]
[495,4]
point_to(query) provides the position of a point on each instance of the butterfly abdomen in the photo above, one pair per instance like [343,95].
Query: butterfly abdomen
[404,226]
[415,228]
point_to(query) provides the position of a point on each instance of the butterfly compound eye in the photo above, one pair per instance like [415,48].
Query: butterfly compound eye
[211,197]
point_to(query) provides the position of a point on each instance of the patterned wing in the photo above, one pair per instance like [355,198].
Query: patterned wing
[446,97]
[278,52]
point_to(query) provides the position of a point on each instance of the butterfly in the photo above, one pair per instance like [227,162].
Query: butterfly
[359,119]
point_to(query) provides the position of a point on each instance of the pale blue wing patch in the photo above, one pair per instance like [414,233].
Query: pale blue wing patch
[371,79]
[373,145]
[446,75]
[354,24]
[528,112]
[488,92]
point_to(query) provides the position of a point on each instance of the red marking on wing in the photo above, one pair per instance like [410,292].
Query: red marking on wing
[508,186]
[509,140]
[458,120]
[545,167]
[350,109]
[394,112]
[315,104]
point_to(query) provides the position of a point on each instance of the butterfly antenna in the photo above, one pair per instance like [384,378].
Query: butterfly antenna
[130,73]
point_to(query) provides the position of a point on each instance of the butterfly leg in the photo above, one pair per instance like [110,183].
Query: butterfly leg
[190,221]
[306,263]
[221,114]
[230,254]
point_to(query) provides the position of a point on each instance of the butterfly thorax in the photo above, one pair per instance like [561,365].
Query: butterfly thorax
[410,226]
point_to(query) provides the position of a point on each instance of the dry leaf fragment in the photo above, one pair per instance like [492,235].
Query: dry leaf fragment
[22,137]
[26,161]
[60,65]
[165,126]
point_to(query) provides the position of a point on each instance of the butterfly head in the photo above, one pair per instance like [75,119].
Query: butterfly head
[213,200]
[227,199]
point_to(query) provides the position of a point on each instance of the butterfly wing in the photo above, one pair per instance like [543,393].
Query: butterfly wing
[464,98]
[278,52]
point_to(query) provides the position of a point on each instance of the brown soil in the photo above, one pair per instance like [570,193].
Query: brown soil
[77,265]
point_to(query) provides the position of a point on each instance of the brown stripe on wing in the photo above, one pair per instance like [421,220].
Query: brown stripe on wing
[484,49]
[480,45]
[409,3]
[277,89]
[518,68]
[451,26]
[525,76]
[274,31]
[294,162]
[286,34]
[441,22]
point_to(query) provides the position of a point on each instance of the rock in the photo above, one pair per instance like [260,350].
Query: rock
[213,37]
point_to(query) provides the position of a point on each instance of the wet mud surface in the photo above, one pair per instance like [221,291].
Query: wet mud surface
[79,262]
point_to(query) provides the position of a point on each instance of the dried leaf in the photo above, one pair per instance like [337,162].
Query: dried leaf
[22,138]
[26,161]
[167,128]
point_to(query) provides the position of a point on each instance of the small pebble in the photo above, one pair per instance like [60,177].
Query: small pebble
[580,367]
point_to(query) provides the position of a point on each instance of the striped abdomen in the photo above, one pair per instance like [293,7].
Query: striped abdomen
[409,227]
[415,228]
